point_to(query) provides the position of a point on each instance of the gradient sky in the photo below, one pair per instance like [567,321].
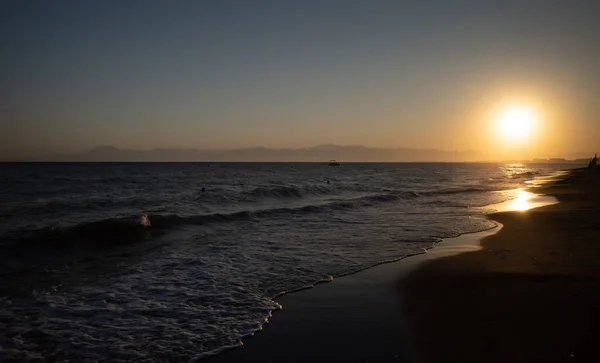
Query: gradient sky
[229,74]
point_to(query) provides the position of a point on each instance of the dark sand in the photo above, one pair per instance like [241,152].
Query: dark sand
[531,294]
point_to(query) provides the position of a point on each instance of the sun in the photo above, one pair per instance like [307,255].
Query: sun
[515,124]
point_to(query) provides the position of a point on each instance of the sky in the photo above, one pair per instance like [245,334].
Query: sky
[288,74]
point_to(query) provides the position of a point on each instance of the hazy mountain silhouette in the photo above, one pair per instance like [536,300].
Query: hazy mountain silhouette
[320,153]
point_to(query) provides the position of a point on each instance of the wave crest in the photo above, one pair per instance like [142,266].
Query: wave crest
[285,192]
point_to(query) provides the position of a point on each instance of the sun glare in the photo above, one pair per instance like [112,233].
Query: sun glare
[515,124]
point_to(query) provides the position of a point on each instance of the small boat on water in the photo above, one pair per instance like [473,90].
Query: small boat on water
[333,163]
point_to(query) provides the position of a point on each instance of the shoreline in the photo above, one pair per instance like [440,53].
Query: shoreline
[316,323]
[531,294]
[308,309]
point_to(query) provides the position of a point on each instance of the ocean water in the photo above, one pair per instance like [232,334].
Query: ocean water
[178,261]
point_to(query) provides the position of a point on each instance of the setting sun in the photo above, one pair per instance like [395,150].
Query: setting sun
[515,124]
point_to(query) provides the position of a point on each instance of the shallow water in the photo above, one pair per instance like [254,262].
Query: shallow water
[135,261]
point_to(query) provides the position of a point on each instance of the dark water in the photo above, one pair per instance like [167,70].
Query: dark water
[136,262]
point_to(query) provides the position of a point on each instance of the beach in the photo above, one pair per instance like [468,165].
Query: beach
[343,272]
[532,294]
[299,181]
[186,260]
[526,293]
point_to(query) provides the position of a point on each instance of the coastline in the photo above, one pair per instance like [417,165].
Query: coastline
[358,317]
[344,320]
[532,294]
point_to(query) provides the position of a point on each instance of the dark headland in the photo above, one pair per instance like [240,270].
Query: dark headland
[529,293]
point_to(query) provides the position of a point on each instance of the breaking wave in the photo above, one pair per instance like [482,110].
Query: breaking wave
[137,228]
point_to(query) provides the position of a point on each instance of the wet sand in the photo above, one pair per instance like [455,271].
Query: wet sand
[532,294]
[355,318]
[527,293]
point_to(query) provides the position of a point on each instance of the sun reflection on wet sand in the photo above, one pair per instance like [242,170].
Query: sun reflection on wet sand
[525,201]
[521,203]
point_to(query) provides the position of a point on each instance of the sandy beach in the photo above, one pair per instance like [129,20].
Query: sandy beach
[527,293]
[532,294]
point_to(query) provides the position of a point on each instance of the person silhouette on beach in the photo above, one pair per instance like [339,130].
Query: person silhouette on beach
[593,162]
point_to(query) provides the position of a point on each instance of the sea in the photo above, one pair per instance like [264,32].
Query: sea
[179,261]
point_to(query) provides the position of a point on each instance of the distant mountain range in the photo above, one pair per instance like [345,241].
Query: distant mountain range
[321,153]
